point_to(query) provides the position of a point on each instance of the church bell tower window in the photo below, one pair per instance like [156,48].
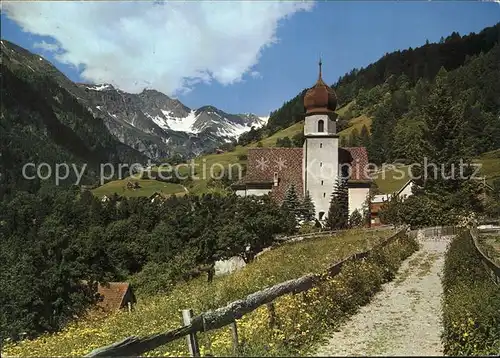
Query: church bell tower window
[321,125]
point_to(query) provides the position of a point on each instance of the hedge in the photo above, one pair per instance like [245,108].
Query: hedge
[471,302]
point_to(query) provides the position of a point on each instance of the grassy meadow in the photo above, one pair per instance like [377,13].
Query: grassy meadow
[490,165]
[161,313]
[147,188]
[491,246]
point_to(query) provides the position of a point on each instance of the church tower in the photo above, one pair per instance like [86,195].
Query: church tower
[321,145]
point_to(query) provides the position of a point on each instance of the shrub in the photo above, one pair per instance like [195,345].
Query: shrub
[471,302]
[308,228]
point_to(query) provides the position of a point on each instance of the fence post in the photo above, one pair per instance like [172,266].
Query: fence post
[234,333]
[272,314]
[194,350]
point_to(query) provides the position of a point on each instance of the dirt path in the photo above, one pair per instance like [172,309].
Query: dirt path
[402,320]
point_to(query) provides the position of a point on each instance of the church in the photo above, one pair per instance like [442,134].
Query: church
[315,167]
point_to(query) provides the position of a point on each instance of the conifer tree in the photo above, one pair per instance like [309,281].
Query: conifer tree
[291,202]
[446,146]
[365,136]
[355,139]
[308,211]
[338,214]
[356,219]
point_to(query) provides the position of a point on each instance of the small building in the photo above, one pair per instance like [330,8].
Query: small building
[375,206]
[406,190]
[158,196]
[378,201]
[133,185]
[116,295]
[105,199]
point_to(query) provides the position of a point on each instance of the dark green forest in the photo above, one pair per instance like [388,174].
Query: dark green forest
[52,242]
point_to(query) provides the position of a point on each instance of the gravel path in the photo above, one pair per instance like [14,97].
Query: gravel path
[404,319]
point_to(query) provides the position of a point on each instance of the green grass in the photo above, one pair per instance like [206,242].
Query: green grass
[391,180]
[287,132]
[491,247]
[490,165]
[161,313]
[148,187]
[357,123]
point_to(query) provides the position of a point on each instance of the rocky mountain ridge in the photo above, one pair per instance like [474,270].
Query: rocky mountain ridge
[150,122]
[168,121]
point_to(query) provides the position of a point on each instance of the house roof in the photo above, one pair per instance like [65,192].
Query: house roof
[375,207]
[113,294]
[288,164]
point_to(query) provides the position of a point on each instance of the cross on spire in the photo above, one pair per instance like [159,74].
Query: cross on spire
[320,64]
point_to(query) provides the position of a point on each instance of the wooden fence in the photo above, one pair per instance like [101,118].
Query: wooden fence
[491,267]
[227,315]
[436,232]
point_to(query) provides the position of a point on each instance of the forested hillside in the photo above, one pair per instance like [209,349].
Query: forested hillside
[42,122]
[393,91]
[53,242]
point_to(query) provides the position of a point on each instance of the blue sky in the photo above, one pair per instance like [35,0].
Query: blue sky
[239,57]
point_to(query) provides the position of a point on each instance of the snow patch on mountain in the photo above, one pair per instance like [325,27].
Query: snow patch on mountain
[234,130]
[183,124]
[264,120]
[100,87]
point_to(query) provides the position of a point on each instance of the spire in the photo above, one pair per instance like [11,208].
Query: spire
[320,63]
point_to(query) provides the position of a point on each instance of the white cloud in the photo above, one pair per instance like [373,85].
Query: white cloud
[166,46]
[255,74]
[47,46]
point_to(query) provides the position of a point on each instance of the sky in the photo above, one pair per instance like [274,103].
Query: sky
[238,56]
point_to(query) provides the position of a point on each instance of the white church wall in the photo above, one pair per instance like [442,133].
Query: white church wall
[256,192]
[321,171]
[357,197]
[241,192]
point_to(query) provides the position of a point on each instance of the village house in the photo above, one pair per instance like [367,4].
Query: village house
[158,196]
[314,168]
[116,295]
[378,201]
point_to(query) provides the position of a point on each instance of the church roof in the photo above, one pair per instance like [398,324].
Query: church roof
[357,157]
[288,164]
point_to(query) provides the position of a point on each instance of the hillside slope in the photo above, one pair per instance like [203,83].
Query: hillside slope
[43,123]
[422,62]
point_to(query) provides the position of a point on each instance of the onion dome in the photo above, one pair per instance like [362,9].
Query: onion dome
[320,98]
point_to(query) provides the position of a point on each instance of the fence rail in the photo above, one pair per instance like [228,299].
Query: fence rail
[220,317]
[491,267]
